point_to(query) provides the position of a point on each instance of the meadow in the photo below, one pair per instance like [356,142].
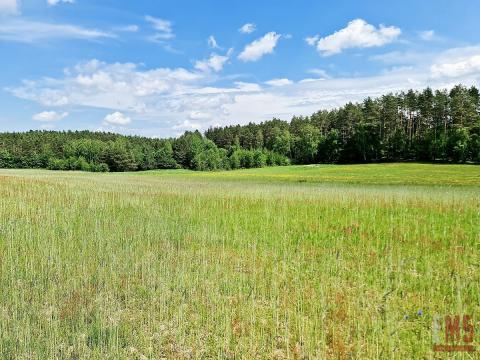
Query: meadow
[298,262]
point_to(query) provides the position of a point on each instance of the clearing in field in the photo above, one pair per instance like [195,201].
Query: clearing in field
[291,262]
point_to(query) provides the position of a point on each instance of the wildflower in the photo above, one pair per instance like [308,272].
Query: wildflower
[420,312]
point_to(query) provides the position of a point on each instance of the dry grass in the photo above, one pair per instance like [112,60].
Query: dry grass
[194,265]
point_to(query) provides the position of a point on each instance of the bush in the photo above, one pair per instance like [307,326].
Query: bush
[102,167]
[6,159]
[259,159]
[210,159]
[275,159]
[235,160]
[164,157]
[82,164]
[119,157]
[246,159]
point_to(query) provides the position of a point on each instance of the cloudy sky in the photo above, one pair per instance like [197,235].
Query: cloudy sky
[158,68]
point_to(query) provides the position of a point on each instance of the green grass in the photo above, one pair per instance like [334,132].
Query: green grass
[369,174]
[293,262]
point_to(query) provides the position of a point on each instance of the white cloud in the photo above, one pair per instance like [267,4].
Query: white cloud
[247,87]
[357,34]
[116,118]
[198,115]
[188,125]
[427,35]
[50,116]
[162,99]
[128,28]
[212,42]
[9,7]
[402,57]
[161,37]
[279,82]
[248,28]
[458,62]
[159,24]
[163,27]
[260,47]
[312,40]
[213,63]
[111,86]
[56,2]
[32,31]
[322,74]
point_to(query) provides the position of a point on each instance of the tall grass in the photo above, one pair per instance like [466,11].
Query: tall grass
[269,263]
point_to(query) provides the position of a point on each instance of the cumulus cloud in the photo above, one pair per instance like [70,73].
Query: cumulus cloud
[56,2]
[31,31]
[458,62]
[213,63]
[163,27]
[163,99]
[48,116]
[357,34]
[9,7]
[260,47]
[248,28]
[116,118]
[112,86]
[459,68]
[312,40]
[279,82]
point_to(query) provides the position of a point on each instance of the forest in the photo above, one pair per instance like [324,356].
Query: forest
[428,125]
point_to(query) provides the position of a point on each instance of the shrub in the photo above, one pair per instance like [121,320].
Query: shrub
[259,159]
[57,164]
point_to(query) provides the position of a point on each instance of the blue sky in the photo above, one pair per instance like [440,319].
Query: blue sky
[158,68]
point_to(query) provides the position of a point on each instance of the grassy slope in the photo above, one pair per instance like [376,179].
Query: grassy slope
[278,262]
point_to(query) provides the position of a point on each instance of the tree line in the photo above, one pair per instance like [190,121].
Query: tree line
[101,152]
[408,126]
[423,125]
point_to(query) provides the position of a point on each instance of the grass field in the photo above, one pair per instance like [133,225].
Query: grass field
[297,262]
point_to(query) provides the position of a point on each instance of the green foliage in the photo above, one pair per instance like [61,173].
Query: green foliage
[6,159]
[235,160]
[330,147]
[85,151]
[305,144]
[282,142]
[212,158]
[119,156]
[89,149]
[458,144]
[164,157]
[187,147]
[276,159]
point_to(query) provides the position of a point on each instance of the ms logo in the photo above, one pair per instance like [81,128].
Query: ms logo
[458,333]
